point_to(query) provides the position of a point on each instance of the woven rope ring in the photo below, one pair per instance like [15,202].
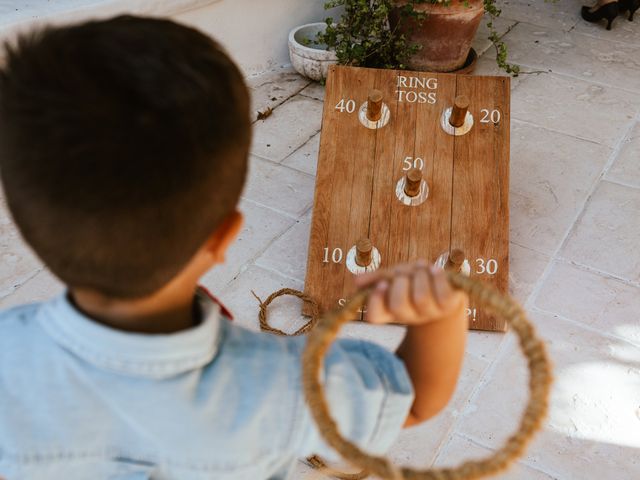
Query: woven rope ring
[326,329]
[262,315]
[315,461]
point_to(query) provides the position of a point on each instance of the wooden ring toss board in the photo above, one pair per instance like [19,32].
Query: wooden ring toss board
[459,179]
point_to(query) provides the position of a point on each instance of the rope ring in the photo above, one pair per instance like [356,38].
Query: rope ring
[315,461]
[319,464]
[262,314]
[327,328]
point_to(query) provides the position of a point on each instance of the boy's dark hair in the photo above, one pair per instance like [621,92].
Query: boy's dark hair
[123,146]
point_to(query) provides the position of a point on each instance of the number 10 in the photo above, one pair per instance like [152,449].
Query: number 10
[336,255]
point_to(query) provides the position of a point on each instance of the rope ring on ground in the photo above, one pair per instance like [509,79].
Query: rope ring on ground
[262,315]
[321,337]
[315,461]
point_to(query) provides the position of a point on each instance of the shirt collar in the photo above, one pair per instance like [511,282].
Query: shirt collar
[136,354]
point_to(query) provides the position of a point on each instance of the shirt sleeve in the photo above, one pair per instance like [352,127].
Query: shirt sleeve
[369,394]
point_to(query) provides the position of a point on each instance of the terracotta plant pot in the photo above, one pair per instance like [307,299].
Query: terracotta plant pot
[446,34]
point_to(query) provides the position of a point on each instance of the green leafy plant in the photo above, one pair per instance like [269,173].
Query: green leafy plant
[365,36]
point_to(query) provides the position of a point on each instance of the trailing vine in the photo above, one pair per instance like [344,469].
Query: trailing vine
[367,33]
[501,49]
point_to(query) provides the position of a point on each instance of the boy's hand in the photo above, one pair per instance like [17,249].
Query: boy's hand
[411,294]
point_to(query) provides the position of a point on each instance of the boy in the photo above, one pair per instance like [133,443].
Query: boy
[123,152]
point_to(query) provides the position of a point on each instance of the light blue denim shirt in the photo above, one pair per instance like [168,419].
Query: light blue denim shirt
[79,400]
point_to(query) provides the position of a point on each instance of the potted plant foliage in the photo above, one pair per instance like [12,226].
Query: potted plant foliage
[433,35]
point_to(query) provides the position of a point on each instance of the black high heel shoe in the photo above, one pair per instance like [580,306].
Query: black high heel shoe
[629,6]
[609,11]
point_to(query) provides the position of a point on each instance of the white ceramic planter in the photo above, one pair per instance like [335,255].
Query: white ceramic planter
[312,61]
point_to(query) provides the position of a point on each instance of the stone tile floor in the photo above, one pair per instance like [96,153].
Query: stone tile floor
[575,265]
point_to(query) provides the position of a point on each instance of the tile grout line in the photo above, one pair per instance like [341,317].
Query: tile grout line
[533,297]
[278,105]
[573,32]
[622,184]
[541,26]
[253,261]
[522,461]
[484,379]
[487,374]
[509,28]
[296,150]
[309,96]
[530,303]
[574,77]
[280,164]
[570,135]
[14,288]
[277,272]
[259,267]
[595,37]
[273,209]
[531,249]
[585,326]
[597,271]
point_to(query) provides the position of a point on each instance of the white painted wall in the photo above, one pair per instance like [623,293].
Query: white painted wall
[253,31]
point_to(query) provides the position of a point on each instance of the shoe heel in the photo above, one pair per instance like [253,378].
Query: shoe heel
[610,12]
[632,6]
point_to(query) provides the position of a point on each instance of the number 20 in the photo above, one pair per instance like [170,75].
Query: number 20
[489,116]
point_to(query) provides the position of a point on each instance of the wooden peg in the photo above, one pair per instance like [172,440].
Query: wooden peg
[374,105]
[364,249]
[459,111]
[455,261]
[413,182]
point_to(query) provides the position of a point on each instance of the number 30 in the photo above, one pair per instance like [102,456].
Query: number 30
[486,266]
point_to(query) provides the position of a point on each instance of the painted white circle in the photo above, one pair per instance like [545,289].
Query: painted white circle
[450,129]
[442,260]
[384,117]
[412,201]
[356,269]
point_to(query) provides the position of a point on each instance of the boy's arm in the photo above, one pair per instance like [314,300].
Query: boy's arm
[433,349]
[433,354]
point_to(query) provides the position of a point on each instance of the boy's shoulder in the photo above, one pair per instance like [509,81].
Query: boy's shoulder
[242,340]
[258,355]
[19,328]
[18,317]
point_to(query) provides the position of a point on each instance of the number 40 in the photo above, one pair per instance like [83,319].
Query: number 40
[346,105]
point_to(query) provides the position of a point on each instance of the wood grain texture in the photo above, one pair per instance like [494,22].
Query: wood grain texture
[358,169]
[480,212]
[432,219]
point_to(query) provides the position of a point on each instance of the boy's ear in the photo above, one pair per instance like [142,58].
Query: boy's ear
[224,236]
